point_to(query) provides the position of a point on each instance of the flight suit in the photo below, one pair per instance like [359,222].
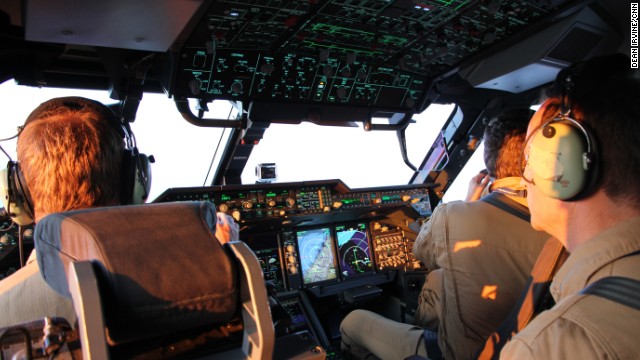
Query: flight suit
[30,298]
[587,326]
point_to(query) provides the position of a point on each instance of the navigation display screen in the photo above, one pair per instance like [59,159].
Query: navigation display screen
[317,255]
[353,250]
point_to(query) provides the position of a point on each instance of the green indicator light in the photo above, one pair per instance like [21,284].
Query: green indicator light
[331,29]
[451,2]
[313,44]
[225,197]
[271,194]
[393,40]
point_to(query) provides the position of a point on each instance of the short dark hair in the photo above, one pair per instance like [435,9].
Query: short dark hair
[603,94]
[503,143]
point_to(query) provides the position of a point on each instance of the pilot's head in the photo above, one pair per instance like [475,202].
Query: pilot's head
[70,152]
[503,142]
[583,140]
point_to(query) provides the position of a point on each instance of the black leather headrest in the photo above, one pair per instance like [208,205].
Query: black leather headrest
[160,267]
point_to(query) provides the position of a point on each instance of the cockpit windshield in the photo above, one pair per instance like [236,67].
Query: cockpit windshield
[359,158]
[188,156]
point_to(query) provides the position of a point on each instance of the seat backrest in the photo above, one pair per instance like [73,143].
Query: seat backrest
[150,271]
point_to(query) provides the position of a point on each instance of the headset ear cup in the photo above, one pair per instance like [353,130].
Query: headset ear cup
[592,164]
[136,177]
[15,195]
[127,177]
[560,161]
[142,181]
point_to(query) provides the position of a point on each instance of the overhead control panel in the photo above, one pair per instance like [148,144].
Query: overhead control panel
[379,54]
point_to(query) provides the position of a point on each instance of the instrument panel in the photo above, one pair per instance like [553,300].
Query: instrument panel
[16,244]
[293,200]
[320,236]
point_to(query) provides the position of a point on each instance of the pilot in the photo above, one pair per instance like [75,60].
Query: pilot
[588,197]
[70,153]
[479,254]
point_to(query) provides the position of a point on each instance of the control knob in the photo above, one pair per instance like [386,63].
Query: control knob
[28,234]
[236,87]
[236,215]
[293,270]
[267,68]
[195,85]
[6,239]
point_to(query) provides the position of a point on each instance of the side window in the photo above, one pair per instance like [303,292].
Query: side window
[458,189]
[423,132]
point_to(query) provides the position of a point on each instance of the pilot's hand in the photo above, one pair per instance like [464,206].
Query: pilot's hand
[226,229]
[477,185]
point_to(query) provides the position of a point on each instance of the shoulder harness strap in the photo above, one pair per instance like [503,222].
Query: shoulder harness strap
[620,289]
[503,202]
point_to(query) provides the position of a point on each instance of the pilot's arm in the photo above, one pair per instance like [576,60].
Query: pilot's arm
[226,229]
[430,243]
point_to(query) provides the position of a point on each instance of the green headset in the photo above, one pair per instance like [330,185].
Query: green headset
[562,160]
[135,168]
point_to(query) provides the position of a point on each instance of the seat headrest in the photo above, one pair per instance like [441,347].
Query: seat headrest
[160,267]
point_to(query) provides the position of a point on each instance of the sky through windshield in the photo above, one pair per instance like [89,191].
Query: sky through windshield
[184,152]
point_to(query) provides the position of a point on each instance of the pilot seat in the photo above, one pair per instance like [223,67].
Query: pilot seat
[152,281]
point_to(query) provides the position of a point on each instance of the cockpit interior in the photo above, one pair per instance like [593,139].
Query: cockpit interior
[325,246]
